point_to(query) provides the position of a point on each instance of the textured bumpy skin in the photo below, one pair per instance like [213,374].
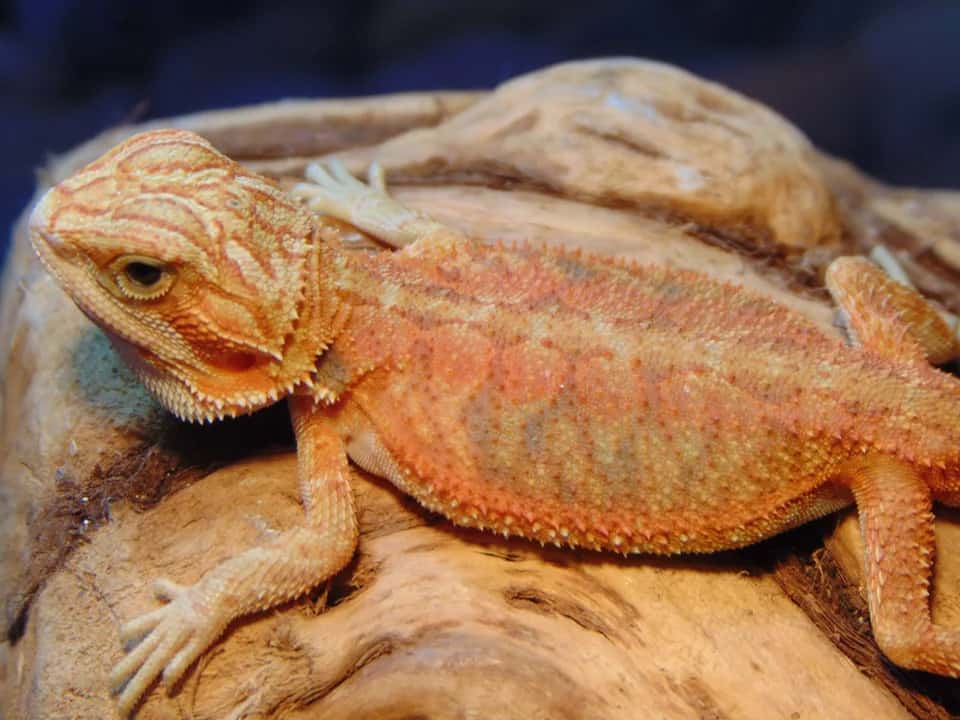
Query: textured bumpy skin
[537,393]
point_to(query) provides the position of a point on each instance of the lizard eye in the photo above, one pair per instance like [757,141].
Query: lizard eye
[140,273]
[141,278]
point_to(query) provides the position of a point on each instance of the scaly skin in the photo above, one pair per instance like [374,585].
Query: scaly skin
[536,393]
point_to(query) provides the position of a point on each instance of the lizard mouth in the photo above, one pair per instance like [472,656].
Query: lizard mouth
[51,249]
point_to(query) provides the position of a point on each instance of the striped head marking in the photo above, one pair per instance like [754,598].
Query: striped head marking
[196,268]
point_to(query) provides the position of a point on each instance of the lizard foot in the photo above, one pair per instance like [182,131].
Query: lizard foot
[332,190]
[172,637]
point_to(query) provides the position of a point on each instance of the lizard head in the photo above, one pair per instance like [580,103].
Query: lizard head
[200,272]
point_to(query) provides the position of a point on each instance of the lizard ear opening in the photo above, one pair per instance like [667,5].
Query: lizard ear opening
[137,277]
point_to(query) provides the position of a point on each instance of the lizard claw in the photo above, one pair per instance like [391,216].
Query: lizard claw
[172,638]
[333,176]
[341,174]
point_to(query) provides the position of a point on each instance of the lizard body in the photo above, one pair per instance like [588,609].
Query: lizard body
[564,398]
[534,392]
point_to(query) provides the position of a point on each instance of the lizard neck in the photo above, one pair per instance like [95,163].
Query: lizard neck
[323,316]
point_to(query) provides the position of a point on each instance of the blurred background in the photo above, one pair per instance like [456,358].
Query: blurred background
[875,82]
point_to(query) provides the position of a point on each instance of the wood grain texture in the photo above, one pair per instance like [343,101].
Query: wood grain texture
[436,623]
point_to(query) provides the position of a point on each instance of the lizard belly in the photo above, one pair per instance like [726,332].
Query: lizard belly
[666,474]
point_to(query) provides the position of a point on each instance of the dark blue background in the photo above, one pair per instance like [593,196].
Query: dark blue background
[875,82]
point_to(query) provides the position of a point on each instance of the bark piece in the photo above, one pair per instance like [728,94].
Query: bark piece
[920,227]
[641,136]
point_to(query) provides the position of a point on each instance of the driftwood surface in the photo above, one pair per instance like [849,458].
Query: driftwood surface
[102,492]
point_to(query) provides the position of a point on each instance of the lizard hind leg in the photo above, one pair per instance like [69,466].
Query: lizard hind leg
[888,317]
[896,521]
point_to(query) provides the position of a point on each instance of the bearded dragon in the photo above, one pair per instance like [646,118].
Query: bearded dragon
[534,392]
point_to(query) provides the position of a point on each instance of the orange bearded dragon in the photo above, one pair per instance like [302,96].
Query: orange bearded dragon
[534,392]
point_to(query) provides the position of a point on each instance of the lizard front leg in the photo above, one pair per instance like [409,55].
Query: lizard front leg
[896,521]
[175,635]
[335,192]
